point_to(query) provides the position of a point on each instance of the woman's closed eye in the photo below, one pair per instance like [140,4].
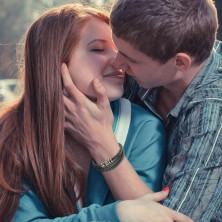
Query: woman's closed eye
[97,50]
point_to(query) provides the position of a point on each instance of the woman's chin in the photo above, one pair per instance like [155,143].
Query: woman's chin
[111,96]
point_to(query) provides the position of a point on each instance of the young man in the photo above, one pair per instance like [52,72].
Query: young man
[169,50]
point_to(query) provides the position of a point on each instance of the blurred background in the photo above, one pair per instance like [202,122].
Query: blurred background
[15,17]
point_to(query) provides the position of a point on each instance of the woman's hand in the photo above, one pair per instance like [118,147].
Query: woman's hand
[90,123]
[147,209]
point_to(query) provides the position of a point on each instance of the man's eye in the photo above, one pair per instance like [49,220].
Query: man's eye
[133,61]
[97,50]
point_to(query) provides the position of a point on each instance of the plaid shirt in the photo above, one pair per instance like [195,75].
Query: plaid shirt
[194,126]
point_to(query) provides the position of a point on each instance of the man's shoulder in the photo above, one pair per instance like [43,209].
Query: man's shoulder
[207,87]
[207,93]
[207,84]
[218,47]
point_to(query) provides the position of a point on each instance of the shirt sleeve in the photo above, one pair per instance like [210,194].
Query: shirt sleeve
[31,209]
[194,171]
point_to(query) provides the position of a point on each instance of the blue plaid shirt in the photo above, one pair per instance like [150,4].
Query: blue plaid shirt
[194,126]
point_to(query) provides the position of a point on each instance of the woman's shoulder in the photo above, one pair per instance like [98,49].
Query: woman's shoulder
[30,206]
[139,115]
[142,114]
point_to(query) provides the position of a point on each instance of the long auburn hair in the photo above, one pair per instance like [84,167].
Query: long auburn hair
[32,139]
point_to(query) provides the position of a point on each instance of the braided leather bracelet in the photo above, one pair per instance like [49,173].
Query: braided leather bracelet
[111,163]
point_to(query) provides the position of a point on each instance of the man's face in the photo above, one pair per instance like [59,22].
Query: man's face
[148,73]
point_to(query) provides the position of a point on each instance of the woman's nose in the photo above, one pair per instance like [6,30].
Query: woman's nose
[113,53]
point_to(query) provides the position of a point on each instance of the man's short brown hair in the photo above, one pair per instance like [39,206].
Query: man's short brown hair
[163,28]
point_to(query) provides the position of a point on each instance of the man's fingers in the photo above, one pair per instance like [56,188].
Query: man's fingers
[102,99]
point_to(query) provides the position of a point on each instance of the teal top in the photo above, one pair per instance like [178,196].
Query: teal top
[144,148]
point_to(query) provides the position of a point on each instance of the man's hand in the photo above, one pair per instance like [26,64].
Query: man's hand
[90,123]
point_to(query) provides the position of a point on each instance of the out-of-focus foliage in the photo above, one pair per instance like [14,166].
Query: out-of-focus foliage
[16,16]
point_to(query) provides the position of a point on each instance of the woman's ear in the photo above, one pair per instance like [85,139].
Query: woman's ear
[183,61]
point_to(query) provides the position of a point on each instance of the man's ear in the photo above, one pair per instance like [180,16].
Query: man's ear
[182,61]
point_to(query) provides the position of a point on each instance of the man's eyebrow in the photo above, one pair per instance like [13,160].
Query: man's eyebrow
[130,59]
[95,40]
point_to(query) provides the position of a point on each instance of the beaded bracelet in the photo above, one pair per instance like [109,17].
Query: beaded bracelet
[111,163]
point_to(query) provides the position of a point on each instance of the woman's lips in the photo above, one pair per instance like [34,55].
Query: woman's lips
[116,74]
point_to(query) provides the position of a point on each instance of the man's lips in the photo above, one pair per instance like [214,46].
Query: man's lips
[116,74]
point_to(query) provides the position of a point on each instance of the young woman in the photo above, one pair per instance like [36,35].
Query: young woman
[45,171]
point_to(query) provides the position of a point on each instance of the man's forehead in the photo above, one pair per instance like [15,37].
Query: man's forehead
[128,57]
[125,48]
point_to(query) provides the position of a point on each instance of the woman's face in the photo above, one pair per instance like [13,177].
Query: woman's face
[93,58]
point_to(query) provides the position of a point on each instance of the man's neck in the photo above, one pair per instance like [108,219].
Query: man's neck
[165,101]
[169,95]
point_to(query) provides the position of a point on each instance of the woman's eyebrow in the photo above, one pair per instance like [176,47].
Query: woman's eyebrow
[95,40]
